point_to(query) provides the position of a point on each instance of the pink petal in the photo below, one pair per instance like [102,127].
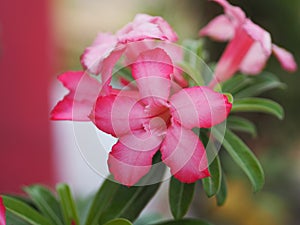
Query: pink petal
[165,28]
[146,27]
[219,29]
[107,68]
[236,14]
[2,212]
[119,114]
[134,49]
[255,60]
[259,35]
[129,166]
[285,58]
[93,56]
[145,139]
[199,107]
[140,32]
[184,153]
[175,52]
[78,103]
[152,72]
[232,57]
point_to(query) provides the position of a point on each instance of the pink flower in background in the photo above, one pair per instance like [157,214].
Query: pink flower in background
[151,119]
[249,48]
[2,212]
[103,54]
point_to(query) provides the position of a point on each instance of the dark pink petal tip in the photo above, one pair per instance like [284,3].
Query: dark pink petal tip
[185,154]
[2,212]
[129,166]
[184,178]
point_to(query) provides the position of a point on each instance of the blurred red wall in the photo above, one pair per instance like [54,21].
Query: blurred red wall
[26,63]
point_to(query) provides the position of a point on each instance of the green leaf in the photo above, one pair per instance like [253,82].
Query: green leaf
[119,221]
[258,105]
[149,218]
[237,123]
[102,199]
[180,197]
[14,220]
[125,72]
[192,72]
[195,46]
[193,64]
[23,199]
[235,84]
[184,222]
[46,203]
[222,193]
[259,84]
[212,184]
[243,156]
[67,204]
[129,202]
[114,200]
[24,211]
[83,205]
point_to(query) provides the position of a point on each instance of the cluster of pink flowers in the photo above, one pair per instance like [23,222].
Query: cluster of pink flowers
[156,115]
[249,48]
[159,111]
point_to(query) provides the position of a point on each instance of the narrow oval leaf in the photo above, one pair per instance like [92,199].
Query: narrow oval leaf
[25,212]
[67,204]
[184,222]
[212,184]
[180,197]
[235,84]
[124,72]
[46,203]
[119,221]
[195,46]
[14,220]
[128,202]
[259,84]
[222,194]
[192,72]
[243,156]
[237,123]
[258,105]
[101,201]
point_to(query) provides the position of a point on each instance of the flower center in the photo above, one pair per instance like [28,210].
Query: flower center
[158,124]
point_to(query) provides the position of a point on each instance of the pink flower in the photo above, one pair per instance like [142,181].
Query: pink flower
[2,212]
[152,119]
[85,89]
[249,48]
[103,54]
[101,58]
